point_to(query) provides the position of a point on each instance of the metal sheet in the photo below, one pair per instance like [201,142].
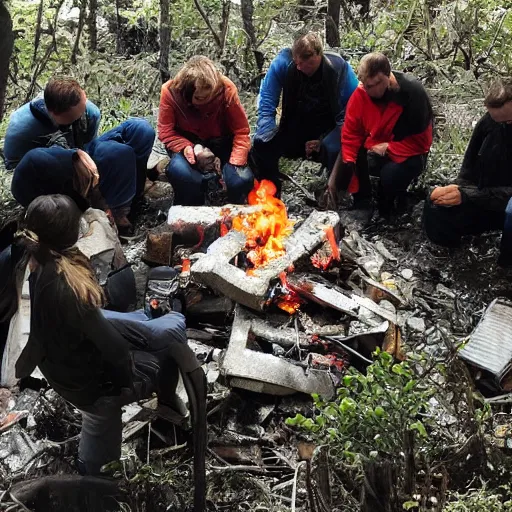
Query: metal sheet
[490,345]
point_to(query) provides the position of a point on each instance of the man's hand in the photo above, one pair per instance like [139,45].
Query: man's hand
[312,146]
[89,164]
[446,196]
[380,149]
[188,153]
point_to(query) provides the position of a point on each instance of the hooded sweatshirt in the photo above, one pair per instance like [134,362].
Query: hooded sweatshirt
[223,115]
[31,126]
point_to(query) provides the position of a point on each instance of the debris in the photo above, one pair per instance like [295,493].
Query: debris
[267,373]
[407,274]
[490,344]
[416,324]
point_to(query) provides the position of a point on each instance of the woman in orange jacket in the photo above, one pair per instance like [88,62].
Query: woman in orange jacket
[200,108]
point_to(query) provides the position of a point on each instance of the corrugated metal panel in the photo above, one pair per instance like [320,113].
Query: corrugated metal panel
[490,345]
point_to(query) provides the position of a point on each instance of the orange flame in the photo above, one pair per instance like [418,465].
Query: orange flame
[291,301]
[266,229]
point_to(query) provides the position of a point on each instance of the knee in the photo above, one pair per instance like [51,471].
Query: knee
[331,145]
[140,127]
[239,182]
[435,226]
[178,168]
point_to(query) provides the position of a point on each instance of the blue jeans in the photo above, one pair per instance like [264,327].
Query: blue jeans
[190,185]
[121,156]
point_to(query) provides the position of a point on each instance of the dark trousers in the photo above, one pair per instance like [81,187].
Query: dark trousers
[190,185]
[121,156]
[155,344]
[446,225]
[290,142]
[394,177]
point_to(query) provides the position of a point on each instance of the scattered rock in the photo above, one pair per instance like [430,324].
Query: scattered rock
[416,324]
[407,274]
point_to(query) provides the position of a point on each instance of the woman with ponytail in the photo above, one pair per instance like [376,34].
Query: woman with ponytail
[95,359]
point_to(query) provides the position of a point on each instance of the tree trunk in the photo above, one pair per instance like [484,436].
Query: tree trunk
[332,23]
[92,25]
[165,41]
[81,21]
[304,9]
[247,8]
[6,47]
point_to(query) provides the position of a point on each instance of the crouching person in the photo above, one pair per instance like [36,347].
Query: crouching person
[54,137]
[77,346]
[200,106]
[387,133]
[480,198]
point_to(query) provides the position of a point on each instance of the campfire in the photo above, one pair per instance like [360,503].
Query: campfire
[303,307]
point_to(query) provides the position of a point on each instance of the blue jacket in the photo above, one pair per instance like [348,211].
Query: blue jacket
[338,77]
[32,127]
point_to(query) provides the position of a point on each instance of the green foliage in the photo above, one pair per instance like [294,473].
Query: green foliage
[371,413]
[478,500]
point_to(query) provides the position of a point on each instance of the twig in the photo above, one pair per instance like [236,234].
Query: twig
[204,15]
[149,440]
[250,469]
[294,488]
[19,503]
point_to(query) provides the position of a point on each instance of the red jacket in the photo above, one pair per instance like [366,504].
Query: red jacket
[406,127]
[223,115]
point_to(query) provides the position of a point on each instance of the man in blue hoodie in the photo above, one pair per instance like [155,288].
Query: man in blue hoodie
[315,87]
[52,145]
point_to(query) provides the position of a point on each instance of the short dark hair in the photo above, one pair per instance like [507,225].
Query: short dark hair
[62,94]
[305,45]
[372,64]
[499,93]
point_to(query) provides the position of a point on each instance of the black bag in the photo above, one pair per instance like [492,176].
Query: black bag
[163,293]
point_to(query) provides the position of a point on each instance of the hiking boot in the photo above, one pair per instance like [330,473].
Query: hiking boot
[157,190]
[123,224]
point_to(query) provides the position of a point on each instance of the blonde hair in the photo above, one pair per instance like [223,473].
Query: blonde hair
[198,73]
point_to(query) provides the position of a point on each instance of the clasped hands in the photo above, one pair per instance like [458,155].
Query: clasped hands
[446,196]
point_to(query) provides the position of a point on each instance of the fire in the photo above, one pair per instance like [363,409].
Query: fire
[321,259]
[290,300]
[266,229]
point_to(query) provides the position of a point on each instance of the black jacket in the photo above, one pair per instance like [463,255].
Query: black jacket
[81,355]
[485,179]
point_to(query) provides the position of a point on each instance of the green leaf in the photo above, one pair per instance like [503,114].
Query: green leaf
[347,405]
[379,411]
[296,421]
[410,504]
[419,427]
[409,386]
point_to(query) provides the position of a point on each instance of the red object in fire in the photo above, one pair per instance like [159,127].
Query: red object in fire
[323,261]
[290,302]
[223,229]
[265,229]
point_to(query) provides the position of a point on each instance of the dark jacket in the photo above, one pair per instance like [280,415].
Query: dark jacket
[339,81]
[405,122]
[80,354]
[32,127]
[485,178]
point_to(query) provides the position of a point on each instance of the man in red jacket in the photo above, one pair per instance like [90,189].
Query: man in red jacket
[387,133]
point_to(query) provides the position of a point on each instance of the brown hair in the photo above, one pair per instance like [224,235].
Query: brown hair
[49,232]
[198,72]
[499,93]
[372,64]
[306,45]
[61,94]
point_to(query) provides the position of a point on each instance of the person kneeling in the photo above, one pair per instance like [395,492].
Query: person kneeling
[200,106]
[481,197]
[387,133]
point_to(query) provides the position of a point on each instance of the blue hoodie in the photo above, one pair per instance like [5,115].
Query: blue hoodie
[339,80]
[31,126]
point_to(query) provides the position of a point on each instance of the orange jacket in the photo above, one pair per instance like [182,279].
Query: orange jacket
[223,115]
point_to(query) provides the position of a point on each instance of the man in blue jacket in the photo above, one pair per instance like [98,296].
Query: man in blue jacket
[315,87]
[51,144]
